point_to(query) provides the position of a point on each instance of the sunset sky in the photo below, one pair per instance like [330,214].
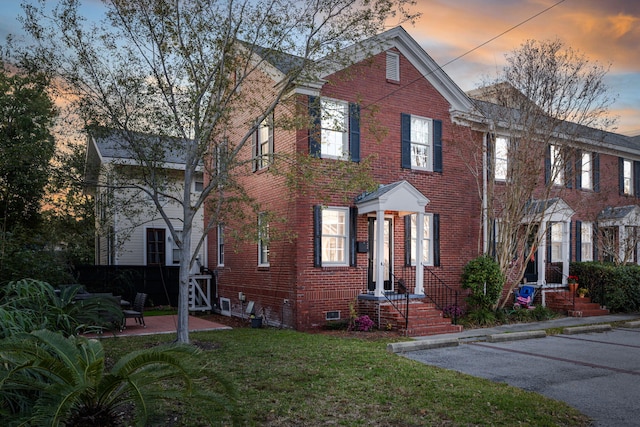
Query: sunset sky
[606,31]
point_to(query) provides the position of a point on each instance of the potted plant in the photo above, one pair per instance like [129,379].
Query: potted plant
[582,292]
[573,284]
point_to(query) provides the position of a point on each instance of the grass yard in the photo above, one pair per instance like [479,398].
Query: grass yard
[287,378]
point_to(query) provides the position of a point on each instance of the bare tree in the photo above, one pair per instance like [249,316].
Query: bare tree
[538,112]
[180,70]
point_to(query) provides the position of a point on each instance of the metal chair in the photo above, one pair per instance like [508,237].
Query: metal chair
[137,310]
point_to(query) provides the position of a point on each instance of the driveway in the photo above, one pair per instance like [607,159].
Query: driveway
[597,373]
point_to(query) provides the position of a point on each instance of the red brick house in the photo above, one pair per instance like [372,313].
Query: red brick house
[330,252]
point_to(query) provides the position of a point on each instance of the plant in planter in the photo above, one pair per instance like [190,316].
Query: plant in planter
[582,292]
[573,283]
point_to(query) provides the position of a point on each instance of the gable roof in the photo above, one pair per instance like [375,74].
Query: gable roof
[398,196]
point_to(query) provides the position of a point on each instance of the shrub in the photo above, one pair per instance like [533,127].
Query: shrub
[485,280]
[363,323]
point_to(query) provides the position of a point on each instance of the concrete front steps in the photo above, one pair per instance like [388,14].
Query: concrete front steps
[564,302]
[424,319]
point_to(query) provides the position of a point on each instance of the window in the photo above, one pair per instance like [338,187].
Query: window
[627,177]
[586,241]
[335,233]
[175,249]
[263,148]
[421,143]
[334,127]
[198,186]
[426,239]
[557,165]
[220,244]
[156,246]
[500,158]
[556,242]
[586,181]
[393,66]
[263,240]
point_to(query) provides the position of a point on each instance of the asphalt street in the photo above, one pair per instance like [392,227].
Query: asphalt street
[597,373]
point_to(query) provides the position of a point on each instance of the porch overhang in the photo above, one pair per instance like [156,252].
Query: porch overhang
[619,216]
[400,196]
[549,210]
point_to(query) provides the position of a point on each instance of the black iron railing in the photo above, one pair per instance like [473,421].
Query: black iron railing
[400,299]
[444,297]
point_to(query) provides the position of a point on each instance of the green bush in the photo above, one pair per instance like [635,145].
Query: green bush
[485,280]
[616,287]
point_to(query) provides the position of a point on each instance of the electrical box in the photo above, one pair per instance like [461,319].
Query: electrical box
[362,247]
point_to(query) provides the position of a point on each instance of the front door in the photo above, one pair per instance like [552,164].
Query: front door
[373,264]
[531,271]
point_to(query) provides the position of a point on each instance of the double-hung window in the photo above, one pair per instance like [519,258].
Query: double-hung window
[627,177]
[421,143]
[556,241]
[263,240]
[263,144]
[500,158]
[335,234]
[334,129]
[175,248]
[586,168]
[586,241]
[427,240]
[557,165]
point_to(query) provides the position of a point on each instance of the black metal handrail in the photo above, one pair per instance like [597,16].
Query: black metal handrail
[399,300]
[443,296]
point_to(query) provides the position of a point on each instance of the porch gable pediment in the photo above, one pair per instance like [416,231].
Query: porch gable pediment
[551,210]
[399,196]
[620,215]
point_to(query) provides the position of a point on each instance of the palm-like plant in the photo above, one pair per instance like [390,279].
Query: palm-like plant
[49,379]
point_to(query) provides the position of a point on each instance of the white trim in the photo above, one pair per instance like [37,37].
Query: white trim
[345,236]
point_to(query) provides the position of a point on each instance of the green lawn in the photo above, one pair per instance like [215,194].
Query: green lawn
[287,378]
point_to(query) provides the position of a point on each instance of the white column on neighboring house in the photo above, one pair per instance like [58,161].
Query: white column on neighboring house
[379,241]
[566,242]
[622,241]
[419,289]
[542,254]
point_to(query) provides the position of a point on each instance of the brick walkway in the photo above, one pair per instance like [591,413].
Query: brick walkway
[163,325]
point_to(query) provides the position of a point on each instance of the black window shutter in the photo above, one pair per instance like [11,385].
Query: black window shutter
[437,145]
[568,168]
[595,159]
[405,137]
[255,148]
[317,236]
[354,132]
[272,142]
[579,169]
[315,113]
[490,154]
[636,178]
[578,241]
[492,239]
[436,240]
[570,238]
[621,174]
[595,241]
[353,233]
[549,242]
[407,240]
[547,166]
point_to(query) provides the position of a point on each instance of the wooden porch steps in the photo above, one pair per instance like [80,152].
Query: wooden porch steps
[563,302]
[424,319]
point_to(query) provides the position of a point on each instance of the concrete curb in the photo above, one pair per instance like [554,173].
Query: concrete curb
[514,336]
[585,329]
[634,324]
[401,347]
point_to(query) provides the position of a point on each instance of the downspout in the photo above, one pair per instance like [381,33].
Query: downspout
[485,191]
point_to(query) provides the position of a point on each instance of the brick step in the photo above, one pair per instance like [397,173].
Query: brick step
[424,319]
[420,331]
[565,302]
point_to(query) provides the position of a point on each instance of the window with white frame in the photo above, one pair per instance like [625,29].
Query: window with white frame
[175,249]
[586,180]
[220,245]
[335,234]
[427,241]
[264,147]
[334,129]
[393,66]
[557,165]
[421,143]
[263,240]
[500,158]
[586,241]
[627,176]
[556,241]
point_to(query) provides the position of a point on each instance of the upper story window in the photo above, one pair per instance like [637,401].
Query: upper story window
[627,177]
[393,66]
[557,165]
[500,158]
[263,144]
[335,132]
[586,166]
[421,143]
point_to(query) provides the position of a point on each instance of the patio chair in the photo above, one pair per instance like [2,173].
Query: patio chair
[137,310]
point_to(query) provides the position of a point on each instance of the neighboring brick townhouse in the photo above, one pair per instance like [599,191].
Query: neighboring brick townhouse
[329,253]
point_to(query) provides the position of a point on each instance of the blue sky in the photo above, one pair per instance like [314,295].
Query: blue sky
[606,31]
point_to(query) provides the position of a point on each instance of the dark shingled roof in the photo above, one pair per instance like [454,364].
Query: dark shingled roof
[617,212]
[116,145]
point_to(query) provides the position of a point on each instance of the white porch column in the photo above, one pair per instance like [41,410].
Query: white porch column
[542,254]
[379,242]
[622,241]
[566,242]
[419,290]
